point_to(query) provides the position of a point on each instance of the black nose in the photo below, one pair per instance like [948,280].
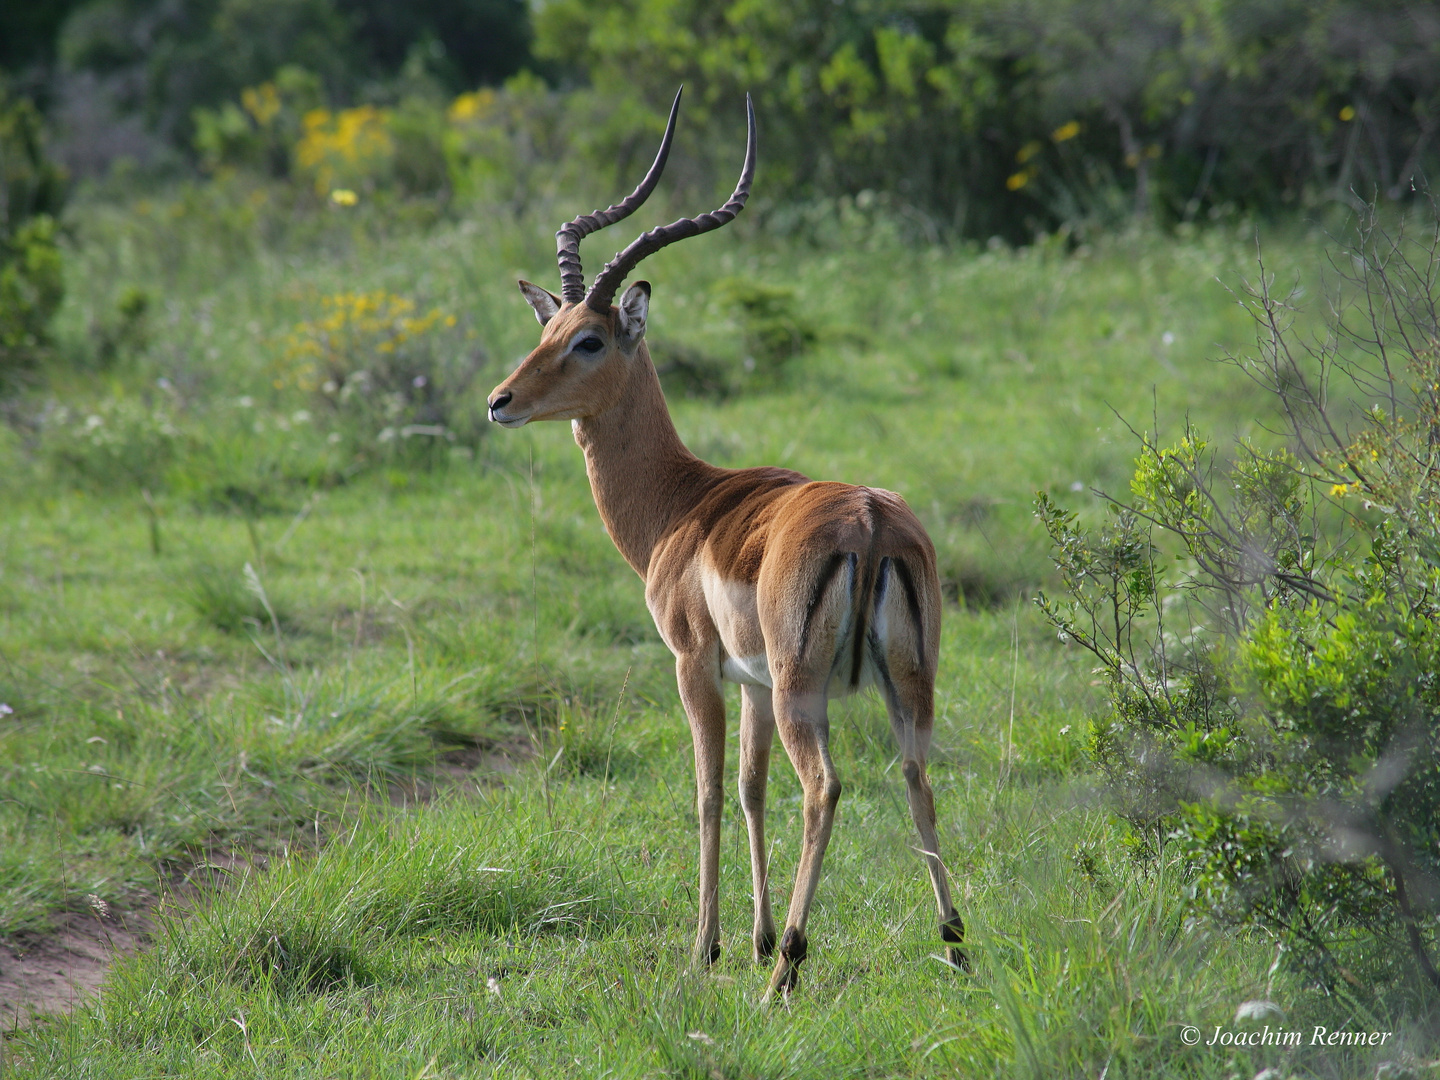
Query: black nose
[499,401]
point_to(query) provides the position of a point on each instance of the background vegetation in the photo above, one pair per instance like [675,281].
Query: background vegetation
[279,612]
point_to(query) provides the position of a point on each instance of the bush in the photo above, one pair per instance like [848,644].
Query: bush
[504,146]
[774,330]
[281,129]
[260,133]
[116,442]
[32,284]
[31,274]
[1274,701]
[390,375]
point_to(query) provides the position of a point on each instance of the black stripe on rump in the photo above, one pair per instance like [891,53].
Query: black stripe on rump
[912,601]
[826,576]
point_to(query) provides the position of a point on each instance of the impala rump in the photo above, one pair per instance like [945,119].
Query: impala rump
[859,615]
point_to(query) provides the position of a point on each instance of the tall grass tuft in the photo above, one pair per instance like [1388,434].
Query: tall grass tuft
[312,924]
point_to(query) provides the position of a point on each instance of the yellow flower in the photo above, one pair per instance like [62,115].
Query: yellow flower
[1347,113]
[344,197]
[262,102]
[1028,151]
[338,146]
[469,106]
[1015,181]
[1066,131]
[1339,491]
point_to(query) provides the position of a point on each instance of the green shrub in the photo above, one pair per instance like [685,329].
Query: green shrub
[395,379]
[31,273]
[1274,702]
[114,442]
[126,334]
[773,332]
[32,285]
[505,146]
[774,329]
[260,132]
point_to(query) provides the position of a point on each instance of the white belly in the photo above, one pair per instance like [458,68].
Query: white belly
[750,670]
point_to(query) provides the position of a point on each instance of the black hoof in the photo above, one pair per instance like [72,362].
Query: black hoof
[787,969]
[793,946]
[952,932]
[765,946]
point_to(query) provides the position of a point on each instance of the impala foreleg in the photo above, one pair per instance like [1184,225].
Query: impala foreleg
[704,703]
[757,734]
[805,733]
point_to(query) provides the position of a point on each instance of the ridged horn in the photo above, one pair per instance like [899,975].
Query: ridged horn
[609,280]
[567,239]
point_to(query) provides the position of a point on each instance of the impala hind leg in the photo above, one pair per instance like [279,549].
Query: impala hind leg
[757,735]
[805,733]
[912,719]
[704,703]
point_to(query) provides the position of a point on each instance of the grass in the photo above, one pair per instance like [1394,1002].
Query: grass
[282,672]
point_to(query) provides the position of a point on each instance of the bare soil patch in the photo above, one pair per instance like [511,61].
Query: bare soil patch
[55,972]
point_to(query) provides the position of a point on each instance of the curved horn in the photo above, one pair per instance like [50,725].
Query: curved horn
[567,239]
[608,281]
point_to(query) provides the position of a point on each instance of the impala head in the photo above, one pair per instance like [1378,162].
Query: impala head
[588,343]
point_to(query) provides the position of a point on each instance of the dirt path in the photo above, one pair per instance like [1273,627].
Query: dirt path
[54,972]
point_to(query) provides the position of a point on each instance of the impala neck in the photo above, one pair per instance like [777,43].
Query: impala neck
[641,474]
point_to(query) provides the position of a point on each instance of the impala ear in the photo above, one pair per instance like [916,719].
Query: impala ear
[544,302]
[634,307]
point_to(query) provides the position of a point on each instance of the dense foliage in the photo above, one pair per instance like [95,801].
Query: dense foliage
[972,118]
[32,191]
[993,117]
[1274,704]
[166,59]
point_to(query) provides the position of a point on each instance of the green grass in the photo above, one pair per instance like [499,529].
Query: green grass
[169,702]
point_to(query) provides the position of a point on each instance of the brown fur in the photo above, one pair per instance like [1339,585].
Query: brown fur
[825,586]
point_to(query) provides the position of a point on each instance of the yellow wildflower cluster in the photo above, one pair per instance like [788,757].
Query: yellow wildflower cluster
[261,102]
[358,331]
[1017,180]
[472,106]
[349,145]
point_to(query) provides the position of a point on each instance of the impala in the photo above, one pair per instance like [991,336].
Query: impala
[799,591]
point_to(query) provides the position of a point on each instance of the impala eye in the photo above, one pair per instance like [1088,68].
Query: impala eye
[590,345]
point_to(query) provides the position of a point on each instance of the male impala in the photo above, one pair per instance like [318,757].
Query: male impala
[798,591]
